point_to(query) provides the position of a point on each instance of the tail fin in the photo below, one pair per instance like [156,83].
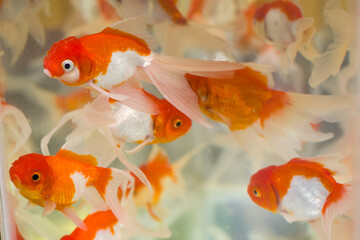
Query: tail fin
[123,208]
[329,63]
[110,180]
[285,128]
[342,228]
[21,123]
[337,203]
[167,73]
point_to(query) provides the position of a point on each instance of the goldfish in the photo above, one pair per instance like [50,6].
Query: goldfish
[282,24]
[134,126]
[56,182]
[157,169]
[261,116]
[329,63]
[120,123]
[118,54]
[302,190]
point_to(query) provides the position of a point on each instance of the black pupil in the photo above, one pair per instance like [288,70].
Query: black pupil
[67,65]
[35,177]
[255,192]
[178,124]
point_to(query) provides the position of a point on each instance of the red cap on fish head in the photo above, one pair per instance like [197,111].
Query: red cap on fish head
[261,190]
[292,11]
[170,123]
[68,59]
[31,171]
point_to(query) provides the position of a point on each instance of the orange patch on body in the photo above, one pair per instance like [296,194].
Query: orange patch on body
[103,178]
[283,175]
[238,101]
[276,102]
[95,222]
[101,46]
[157,169]
[63,189]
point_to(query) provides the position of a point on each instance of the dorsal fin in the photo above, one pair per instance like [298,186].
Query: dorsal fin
[88,159]
[135,26]
[335,163]
[113,31]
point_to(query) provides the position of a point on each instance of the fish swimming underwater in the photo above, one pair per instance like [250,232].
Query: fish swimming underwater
[260,115]
[56,182]
[120,124]
[281,23]
[302,190]
[134,126]
[156,170]
[118,54]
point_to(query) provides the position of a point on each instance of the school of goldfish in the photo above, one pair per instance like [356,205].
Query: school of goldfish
[256,99]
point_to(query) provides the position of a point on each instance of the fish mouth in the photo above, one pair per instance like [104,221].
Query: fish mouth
[47,72]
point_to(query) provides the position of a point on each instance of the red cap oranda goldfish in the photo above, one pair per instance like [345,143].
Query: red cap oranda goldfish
[281,23]
[260,115]
[134,126]
[107,59]
[56,182]
[301,190]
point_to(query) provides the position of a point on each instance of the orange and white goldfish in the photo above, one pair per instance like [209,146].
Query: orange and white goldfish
[157,169]
[120,124]
[110,58]
[134,126]
[282,24]
[56,182]
[260,115]
[302,190]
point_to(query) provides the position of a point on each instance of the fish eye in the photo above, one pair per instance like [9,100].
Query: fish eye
[256,192]
[36,177]
[177,123]
[68,65]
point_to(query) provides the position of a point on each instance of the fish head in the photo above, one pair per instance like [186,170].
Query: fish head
[170,123]
[31,174]
[261,190]
[68,62]
[274,22]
